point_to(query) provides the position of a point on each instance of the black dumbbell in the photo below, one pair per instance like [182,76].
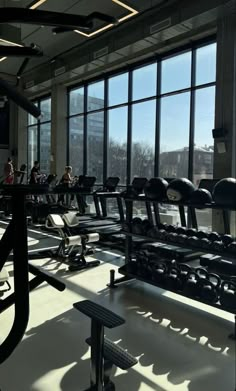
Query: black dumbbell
[217,245]
[192,241]
[146,226]
[214,236]
[153,232]
[232,248]
[191,232]
[204,243]
[163,234]
[137,226]
[202,234]
[181,231]
[227,239]
[184,270]
[170,228]
[182,238]
[162,226]
[173,237]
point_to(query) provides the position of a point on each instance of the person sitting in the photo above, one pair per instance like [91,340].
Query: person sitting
[8,172]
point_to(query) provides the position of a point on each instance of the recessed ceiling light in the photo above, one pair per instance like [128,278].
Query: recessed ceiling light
[36,4]
[131,10]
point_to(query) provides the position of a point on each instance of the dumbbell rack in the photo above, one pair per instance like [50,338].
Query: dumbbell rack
[125,270]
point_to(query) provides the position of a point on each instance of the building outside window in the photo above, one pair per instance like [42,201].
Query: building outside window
[39,137]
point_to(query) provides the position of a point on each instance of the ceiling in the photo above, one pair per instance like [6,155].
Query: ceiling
[54,45]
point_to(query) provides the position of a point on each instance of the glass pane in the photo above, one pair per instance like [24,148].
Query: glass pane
[144,81]
[76,146]
[176,73]
[45,147]
[96,96]
[32,146]
[31,119]
[174,139]
[117,144]
[143,138]
[204,143]
[206,64]
[76,101]
[118,89]
[95,128]
[45,107]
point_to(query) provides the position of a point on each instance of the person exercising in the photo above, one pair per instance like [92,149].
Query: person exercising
[8,172]
[66,180]
[35,174]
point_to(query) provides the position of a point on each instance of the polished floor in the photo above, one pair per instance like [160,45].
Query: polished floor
[180,345]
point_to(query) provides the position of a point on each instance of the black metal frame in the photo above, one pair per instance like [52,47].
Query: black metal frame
[130,69]
[37,124]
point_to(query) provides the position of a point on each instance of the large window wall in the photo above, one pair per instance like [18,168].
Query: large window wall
[152,119]
[39,136]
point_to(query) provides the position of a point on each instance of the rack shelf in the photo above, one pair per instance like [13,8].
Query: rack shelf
[123,270]
[199,249]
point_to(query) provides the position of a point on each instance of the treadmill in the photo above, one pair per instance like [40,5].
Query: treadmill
[101,220]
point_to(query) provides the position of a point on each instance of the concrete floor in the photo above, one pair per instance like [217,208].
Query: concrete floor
[180,344]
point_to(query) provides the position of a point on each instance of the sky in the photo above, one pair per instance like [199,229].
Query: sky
[175,109]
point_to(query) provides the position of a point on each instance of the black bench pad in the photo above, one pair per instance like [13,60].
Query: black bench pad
[117,355]
[96,312]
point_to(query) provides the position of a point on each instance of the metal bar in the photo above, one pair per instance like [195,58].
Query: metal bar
[156,213]
[105,139]
[193,217]
[128,239]
[97,341]
[21,285]
[226,220]
[120,208]
[149,211]
[6,244]
[192,118]
[96,204]
[158,123]
[129,128]
[182,216]
[10,300]
[85,165]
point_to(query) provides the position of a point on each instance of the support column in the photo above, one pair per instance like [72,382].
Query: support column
[225,163]
[59,130]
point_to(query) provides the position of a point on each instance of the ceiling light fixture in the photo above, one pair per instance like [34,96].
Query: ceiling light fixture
[4,41]
[36,4]
[131,10]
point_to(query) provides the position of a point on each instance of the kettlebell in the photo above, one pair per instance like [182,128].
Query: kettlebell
[159,273]
[209,290]
[173,279]
[184,270]
[190,287]
[228,295]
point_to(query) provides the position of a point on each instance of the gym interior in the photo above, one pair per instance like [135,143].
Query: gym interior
[117,195]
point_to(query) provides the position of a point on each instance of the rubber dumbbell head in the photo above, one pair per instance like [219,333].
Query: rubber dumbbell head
[214,236]
[227,239]
[217,245]
[191,232]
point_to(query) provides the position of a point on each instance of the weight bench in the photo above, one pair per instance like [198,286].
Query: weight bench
[104,352]
[4,283]
[68,247]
